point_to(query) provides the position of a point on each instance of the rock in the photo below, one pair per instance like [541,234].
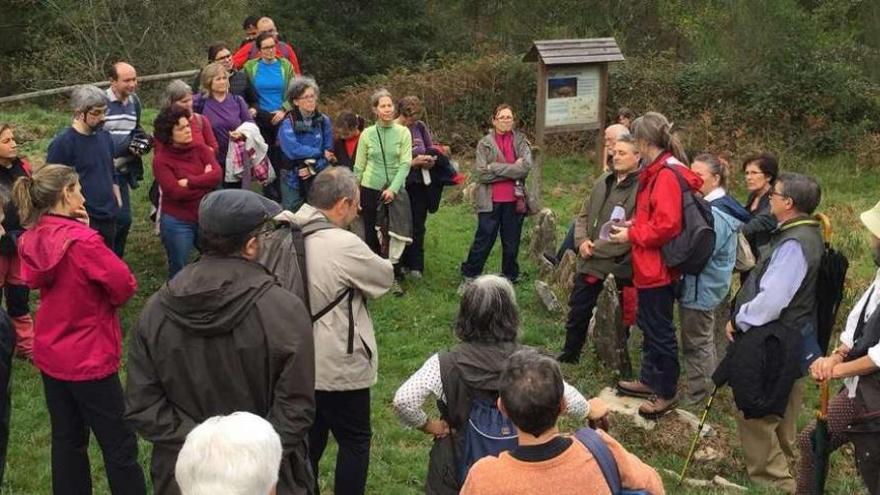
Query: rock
[688,481]
[706,454]
[718,480]
[609,333]
[543,238]
[469,193]
[547,297]
[626,406]
[566,272]
[693,421]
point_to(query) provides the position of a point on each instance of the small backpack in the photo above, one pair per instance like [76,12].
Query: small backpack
[594,443]
[488,432]
[691,249]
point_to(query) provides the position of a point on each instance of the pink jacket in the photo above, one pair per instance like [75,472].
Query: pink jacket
[77,335]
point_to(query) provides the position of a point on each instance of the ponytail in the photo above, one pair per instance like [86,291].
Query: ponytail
[656,129]
[38,194]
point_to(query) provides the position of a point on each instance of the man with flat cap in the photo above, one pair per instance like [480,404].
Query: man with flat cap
[220,337]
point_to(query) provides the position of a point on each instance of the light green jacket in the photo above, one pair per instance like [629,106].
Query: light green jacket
[369,167]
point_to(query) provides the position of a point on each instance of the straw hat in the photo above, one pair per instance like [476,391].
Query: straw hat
[871,219]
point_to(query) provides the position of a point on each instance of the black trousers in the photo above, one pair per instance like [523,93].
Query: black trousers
[347,415]
[660,366]
[17,300]
[107,228]
[96,405]
[7,348]
[580,309]
[504,219]
[414,254]
[370,199]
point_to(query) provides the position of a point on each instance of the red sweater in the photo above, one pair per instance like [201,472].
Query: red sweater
[657,220]
[77,335]
[171,164]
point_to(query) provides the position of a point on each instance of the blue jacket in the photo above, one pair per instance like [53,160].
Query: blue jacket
[731,206]
[705,291]
[301,142]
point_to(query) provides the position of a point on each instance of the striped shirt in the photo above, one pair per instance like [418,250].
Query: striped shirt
[122,118]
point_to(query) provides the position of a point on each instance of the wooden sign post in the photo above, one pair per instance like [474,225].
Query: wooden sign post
[572,90]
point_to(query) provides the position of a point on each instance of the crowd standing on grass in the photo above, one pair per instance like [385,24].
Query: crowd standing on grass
[250,356]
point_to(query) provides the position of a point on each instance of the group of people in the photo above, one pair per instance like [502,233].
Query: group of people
[249,357]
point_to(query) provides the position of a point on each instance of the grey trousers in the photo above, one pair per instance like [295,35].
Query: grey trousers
[698,348]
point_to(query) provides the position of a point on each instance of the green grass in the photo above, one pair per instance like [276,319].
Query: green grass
[411,328]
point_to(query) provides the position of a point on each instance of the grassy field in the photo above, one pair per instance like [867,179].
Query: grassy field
[411,328]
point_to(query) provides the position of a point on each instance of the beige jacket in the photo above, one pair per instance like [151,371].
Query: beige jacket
[336,260]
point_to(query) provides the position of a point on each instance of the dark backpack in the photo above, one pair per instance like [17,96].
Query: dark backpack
[690,250]
[488,432]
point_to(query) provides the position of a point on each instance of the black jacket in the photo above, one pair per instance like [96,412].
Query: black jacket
[220,337]
[761,366]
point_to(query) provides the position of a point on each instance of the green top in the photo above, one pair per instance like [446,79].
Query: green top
[369,168]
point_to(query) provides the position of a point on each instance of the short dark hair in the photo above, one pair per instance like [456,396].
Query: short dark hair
[331,185]
[216,244]
[214,49]
[349,120]
[488,313]
[409,106]
[532,391]
[258,41]
[766,162]
[803,190]
[625,113]
[249,21]
[163,126]
[113,72]
[499,108]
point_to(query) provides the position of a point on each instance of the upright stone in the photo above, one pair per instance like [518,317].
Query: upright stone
[543,237]
[609,333]
[566,272]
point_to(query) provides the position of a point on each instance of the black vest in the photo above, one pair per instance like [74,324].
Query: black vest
[867,400]
[802,307]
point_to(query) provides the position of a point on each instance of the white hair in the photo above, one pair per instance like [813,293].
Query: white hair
[239,454]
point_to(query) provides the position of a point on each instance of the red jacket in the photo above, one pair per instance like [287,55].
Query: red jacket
[282,49]
[657,220]
[77,335]
[171,164]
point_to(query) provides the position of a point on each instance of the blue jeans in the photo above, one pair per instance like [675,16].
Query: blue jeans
[567,243]
[179,238]
[291,197]
[660,366]
[502,219]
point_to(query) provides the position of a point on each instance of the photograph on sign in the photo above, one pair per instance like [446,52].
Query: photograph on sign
[572,96]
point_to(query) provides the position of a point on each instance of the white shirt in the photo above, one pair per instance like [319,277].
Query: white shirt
[426,381]
[852,321]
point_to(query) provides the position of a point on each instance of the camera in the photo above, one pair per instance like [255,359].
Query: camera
[141,144]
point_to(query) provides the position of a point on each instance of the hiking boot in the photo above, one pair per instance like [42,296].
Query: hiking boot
[396,289]
[635,389]
[550,258]
[568,357]
[416,274]
[656,407]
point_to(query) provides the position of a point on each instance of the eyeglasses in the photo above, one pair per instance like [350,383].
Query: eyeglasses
[224,57]
[772,193]
[97,112]
[270,47]
[504,117]
[309,97]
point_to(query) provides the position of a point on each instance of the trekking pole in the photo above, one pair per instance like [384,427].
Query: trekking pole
[696,439]
[385,246]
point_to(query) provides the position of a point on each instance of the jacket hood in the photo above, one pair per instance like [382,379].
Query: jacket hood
[307,213]
[730,206]
[213,295]
[481,364]
[666,159]
[42,247]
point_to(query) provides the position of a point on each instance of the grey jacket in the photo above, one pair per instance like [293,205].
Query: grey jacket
[490,169]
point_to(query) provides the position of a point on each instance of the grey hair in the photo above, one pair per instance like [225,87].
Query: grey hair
[378,95]
[174,92]
[85,97]
[299,85]
[804,191]
[331,185]
[488,312]
[716,166]
[655,129]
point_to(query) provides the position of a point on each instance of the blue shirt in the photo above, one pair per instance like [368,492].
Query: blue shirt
[122,118]
[781,280]
[269,85]
[92,157]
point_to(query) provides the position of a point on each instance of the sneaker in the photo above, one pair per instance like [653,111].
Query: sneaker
[656,407]
[396,289]
[635,389]
[416,274]
[568,357]
[463,285]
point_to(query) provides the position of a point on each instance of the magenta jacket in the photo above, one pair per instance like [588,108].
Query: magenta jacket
[77,336]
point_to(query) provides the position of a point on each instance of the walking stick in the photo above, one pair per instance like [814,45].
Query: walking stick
[384,246]
[696,439]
